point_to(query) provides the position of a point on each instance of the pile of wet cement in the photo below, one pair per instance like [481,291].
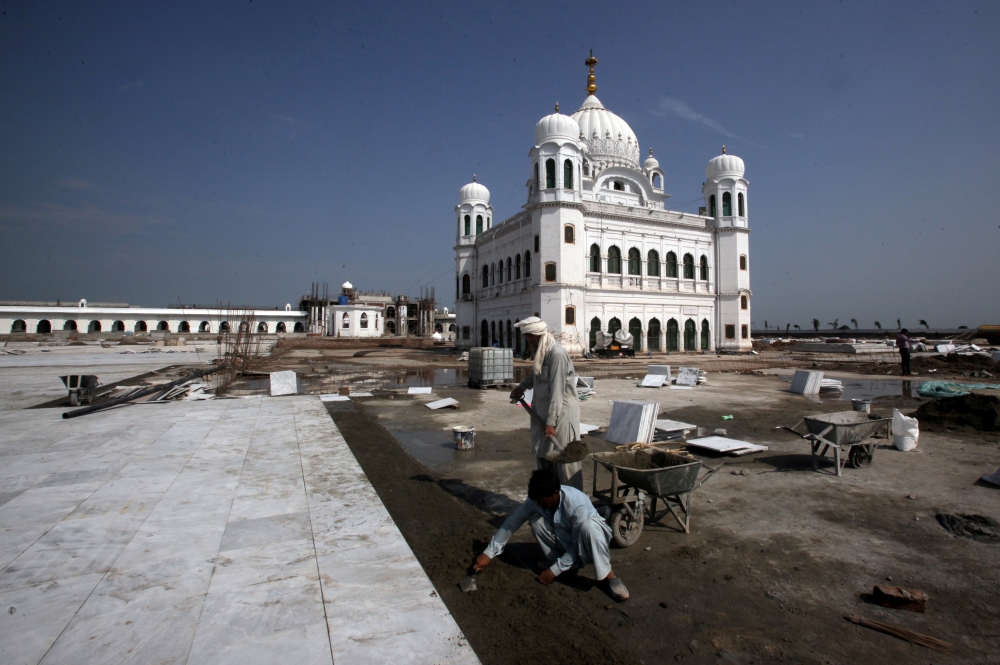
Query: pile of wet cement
[575,451]
[511,618]
[976,527]
[981,412]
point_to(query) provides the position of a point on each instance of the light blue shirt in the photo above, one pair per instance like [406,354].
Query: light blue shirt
[573,511]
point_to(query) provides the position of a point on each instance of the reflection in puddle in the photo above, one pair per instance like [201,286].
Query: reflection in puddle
[406,378]
[432,447]
[869,388]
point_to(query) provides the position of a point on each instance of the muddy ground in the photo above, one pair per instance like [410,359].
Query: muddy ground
[778,553]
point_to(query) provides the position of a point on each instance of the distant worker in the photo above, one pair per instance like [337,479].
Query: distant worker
[553,380]
[566,526]
[903,344]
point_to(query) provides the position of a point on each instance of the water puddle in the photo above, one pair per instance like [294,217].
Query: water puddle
[432,448]
[869,388]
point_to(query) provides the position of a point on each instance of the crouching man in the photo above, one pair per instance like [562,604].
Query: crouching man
[567,528]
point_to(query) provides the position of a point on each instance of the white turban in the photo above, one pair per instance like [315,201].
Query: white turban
[532,326]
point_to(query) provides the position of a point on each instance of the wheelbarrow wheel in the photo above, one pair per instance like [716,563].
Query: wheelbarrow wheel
[625,529]
[860,457]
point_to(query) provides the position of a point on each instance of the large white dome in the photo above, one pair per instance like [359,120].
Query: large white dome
[609,139]
[473,193]
[724,165]
[555,127]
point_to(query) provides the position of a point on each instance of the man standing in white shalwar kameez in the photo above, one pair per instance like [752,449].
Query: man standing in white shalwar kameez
[554,400]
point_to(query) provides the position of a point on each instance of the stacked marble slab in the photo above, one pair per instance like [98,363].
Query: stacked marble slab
[632,421]
[806,382]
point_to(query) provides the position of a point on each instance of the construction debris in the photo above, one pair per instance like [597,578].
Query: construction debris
[900,598]
[805,382]
[442,403]
[721,444]
[419,390]
[900,632]
[284,383]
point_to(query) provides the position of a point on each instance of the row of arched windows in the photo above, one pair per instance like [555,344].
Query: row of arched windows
[362,320]
[550,175]
[494,273]
[653,332]
[44,327]
[727,205]
[500,333]
[479,224]
[634,263]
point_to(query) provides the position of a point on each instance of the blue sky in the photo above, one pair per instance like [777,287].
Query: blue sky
[237,151]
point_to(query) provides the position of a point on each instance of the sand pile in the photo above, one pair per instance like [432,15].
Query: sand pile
[981,412]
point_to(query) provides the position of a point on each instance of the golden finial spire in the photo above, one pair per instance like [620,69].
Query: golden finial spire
[474,175]
[590,62]
[650,152]
[723,150]
[557,107]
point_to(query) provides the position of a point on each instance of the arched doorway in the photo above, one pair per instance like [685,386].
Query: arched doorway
[184,327]
[299,327]
[69,325]
[672,335]
[595,327]
[484,334]
[206,327]
[690,333]
[390,326]
[262,327]
[705,335]
[19,326]
[44,327]
[510,336]
[224,327]
[493,333]
[614,325]
[118,326]
[140,326]
[653,335]
[94,326]
[163,326]
[635,329]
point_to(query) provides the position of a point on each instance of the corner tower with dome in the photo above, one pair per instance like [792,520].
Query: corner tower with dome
[596,248]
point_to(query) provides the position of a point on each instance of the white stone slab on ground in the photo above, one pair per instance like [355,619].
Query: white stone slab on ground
[687,376]
[586,429]
[334,398]
[442,403]
[721,444]
[419,390]
[661,370]
[284,383]
[806,382]
[631,421]
[653,381]
[205,532]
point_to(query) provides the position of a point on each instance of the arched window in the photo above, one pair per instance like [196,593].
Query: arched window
[510,336]
[479,224]
[550,174]
[390,312]
[671,264]
[550,272]
[438,328]
[517,266]
[95,326]
[618,186]
[44,327]
[299,327]
[468,225]
[690,334]
[586,167]
[452,328]
[163,325]
[224,327]
[69,325]
[653,263]
[118,326]
[595,259]
[569,236]
[262,327]
[614,260]
[280,328]
[743,261]
[656,180]
[185,327]
[345,321]
[493,332]
[466,284]
[688,266]
[711,205]
[727,204]
[493,274]
[390,327]
[635,329]
[517,338]
[704,268]
[486,276]
[595,327]
[614,325]
[510,274]
[672,336]
[19,326]
[527,264]
[570,316]
[744,302]
[634,262]
[244,326]
[705,335]
[567,174]
[140,326]
[740,205]
[653,335]
[363,321]
[488,223]
[500,273]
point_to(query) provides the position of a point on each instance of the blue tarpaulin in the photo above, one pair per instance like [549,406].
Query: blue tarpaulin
[952,389]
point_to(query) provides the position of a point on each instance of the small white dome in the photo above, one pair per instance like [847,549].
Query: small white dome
[556,126]
[650,162]
[473,192]
[724,165]
[347,285]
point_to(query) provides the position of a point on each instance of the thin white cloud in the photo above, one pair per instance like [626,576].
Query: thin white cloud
[673,106]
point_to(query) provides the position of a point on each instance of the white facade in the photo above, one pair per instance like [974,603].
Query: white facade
[83,318]
[595,248]
[356,321]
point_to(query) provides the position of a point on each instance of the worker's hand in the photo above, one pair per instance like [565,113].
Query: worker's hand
[481,562]
[546,576]
[550,432]
[516,394]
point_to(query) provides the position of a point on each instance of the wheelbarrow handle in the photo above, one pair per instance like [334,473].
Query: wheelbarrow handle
[788,429]
[704,479]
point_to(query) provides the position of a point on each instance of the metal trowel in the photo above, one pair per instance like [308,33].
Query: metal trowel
[468,584]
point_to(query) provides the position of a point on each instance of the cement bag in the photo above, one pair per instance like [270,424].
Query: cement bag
[905,431]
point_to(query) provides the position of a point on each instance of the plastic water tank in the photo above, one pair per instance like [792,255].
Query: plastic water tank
[342,300]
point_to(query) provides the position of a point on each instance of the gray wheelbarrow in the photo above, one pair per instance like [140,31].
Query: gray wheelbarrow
[640,474]
[848,433]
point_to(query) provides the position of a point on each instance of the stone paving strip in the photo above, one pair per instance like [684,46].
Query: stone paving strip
[224,531]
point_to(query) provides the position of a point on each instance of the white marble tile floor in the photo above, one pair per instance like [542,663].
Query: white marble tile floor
[229,531]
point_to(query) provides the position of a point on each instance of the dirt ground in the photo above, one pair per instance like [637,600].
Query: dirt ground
[778,553]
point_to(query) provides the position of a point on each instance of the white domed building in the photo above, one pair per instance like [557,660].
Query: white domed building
[596,248]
